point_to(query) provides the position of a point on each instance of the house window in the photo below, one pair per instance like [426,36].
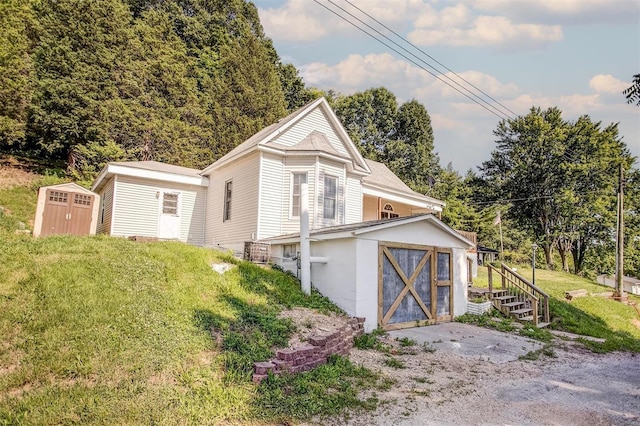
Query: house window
[289,251]
[227,201]
[387,212]
[298,180]
[170,203]
[330,201]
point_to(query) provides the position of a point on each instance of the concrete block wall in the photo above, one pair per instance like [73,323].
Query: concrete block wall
[312,354]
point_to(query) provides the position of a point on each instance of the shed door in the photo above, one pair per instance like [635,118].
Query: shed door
[415,285]
[67,213]
[56,212]
[169,220]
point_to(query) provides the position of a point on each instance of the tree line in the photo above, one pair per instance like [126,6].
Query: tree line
[185,81]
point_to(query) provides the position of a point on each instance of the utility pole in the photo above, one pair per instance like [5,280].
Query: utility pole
[620,239]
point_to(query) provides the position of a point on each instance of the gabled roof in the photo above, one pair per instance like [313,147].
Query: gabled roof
[68,186]
[383,177]
[314,142]
[150,170]
[383,182]
[353,229]
[266,135]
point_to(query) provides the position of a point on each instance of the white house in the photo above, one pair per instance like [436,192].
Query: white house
[253,192]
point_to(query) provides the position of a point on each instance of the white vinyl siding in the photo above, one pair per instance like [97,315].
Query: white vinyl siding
[353,200]
[315,120]
[272,195]
[106,209]
[137,209]
[242,226]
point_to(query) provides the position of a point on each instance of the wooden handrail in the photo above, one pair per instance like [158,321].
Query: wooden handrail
[539,299]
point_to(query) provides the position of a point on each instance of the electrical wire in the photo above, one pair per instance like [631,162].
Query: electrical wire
[433,59]
[501,117]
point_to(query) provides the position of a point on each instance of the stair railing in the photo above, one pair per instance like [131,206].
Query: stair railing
[524,291]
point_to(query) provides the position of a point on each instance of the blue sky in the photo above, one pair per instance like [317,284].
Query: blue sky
[577,55]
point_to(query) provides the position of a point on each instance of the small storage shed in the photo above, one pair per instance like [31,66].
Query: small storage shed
[396,273]
[66,208]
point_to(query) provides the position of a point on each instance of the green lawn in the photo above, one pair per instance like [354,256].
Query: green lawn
[592,315]
[101,330]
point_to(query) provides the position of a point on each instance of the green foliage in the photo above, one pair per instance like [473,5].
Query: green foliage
[394,363]
[326,390]
[560,180]
[108,80]
[370,341]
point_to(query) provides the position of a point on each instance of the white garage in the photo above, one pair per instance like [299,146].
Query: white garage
[396,273]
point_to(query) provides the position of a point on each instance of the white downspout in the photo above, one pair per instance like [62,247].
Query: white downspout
[305,250]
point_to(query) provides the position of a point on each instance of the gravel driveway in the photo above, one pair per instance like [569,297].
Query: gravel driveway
[461,374]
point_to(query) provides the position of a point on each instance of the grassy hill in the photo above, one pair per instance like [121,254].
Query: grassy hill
[101,330]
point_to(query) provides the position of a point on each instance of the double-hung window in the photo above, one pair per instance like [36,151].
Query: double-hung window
[298,180]
[330,200]
[227,201]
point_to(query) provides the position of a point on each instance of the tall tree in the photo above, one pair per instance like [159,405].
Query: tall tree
[409,152]
[526,167]
[369,118]
[78,46]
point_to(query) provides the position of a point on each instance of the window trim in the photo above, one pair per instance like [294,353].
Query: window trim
[388,212]
[226,206]
[292,212]
[178,202]
[325,198]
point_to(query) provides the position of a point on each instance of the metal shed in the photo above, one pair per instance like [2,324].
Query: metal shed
[66,208]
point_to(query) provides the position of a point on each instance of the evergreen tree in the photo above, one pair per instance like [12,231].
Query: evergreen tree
[16,69]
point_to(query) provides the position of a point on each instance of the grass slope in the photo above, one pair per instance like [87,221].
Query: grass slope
[100,330]
[593,315]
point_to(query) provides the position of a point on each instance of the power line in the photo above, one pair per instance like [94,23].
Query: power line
[433,59]
[414,62]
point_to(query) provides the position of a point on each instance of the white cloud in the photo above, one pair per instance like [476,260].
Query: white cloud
[488,31]
[565,12]
[607,84]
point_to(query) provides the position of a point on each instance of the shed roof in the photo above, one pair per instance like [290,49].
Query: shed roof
[68,186]
[352,229]
[160,167]
[150,170]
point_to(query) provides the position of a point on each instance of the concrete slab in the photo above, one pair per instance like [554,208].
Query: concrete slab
[470,341]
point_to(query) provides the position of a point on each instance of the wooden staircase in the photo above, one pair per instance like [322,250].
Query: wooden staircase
[518,298]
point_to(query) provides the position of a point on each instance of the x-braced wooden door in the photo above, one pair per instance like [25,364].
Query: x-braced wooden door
[415,285]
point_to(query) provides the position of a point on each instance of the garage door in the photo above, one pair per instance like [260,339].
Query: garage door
[415,285]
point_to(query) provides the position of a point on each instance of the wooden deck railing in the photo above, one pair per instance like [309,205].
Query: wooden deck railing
[522,290]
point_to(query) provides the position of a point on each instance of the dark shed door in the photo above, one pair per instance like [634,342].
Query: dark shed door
[415,285]
[67,212]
